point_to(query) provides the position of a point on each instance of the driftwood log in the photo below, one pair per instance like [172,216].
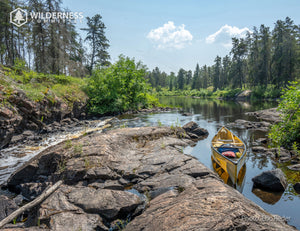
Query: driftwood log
[31,204]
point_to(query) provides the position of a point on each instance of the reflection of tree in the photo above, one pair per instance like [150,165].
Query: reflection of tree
[259,160]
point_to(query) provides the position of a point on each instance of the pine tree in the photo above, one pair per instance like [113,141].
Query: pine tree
[180,79]
[196,78]
[98,41]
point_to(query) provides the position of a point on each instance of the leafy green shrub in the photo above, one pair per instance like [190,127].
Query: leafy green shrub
[287,132]
[119,87]
[269,92]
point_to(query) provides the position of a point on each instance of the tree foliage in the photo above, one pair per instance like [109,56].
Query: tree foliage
[286,132]
[119,87]
[98,42]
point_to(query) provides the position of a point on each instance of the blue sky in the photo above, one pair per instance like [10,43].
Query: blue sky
[172,34]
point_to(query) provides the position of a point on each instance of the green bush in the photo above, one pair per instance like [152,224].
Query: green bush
[119,87]
[287,132]
[269,92]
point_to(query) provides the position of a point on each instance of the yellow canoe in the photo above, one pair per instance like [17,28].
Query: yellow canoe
[232,166]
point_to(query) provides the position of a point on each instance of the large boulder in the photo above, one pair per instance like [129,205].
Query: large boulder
[244,95]
[273,180]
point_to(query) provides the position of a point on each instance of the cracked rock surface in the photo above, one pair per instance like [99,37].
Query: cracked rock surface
[137,179]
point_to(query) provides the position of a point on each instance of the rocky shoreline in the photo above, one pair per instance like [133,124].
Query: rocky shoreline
[132,179]
[25,121]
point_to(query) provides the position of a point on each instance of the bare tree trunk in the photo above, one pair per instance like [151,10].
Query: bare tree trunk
[31,204]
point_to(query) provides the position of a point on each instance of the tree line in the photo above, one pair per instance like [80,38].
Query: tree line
[51,47]
[262,58]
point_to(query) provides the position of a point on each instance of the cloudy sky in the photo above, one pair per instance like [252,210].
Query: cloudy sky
[172,34]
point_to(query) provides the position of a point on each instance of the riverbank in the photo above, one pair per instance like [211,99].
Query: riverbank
[257,93]
[149,183]
[33,104]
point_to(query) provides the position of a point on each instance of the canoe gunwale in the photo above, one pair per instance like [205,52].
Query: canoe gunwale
[233,162]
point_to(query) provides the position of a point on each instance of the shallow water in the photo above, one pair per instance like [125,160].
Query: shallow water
[209,114]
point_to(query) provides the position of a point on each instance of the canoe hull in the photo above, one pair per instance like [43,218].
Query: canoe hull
[231,166]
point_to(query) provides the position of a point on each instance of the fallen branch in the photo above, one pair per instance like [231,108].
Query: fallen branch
[31,204]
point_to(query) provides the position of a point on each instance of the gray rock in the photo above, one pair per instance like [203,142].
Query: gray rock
[262,140]
[295,167]
[7,206]
[194,129]
[107,203]
[273,180]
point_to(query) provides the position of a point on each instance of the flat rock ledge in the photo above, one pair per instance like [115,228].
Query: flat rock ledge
[133,179]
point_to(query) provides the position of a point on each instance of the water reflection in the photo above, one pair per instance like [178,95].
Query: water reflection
[267,197]
[239,181]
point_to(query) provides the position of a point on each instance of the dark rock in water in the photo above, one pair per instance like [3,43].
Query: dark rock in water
[190,126]
[194,129]
[186,114]
[297,187]
[262,140]
[7,206]
[295,167]
[259,149]
[272,115]
[273,180]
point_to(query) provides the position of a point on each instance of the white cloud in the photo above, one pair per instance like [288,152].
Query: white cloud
[170,36]
[225,33]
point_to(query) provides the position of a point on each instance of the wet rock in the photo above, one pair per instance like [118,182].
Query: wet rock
[107,203]
[261,126]
[194,129]
[295,167]
[7,206]
[262,140]
[186,114]
[297,187]
[272,115]
[259,149]
[262,150]
[273,180]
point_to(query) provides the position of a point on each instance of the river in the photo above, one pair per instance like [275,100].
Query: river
[211,115]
